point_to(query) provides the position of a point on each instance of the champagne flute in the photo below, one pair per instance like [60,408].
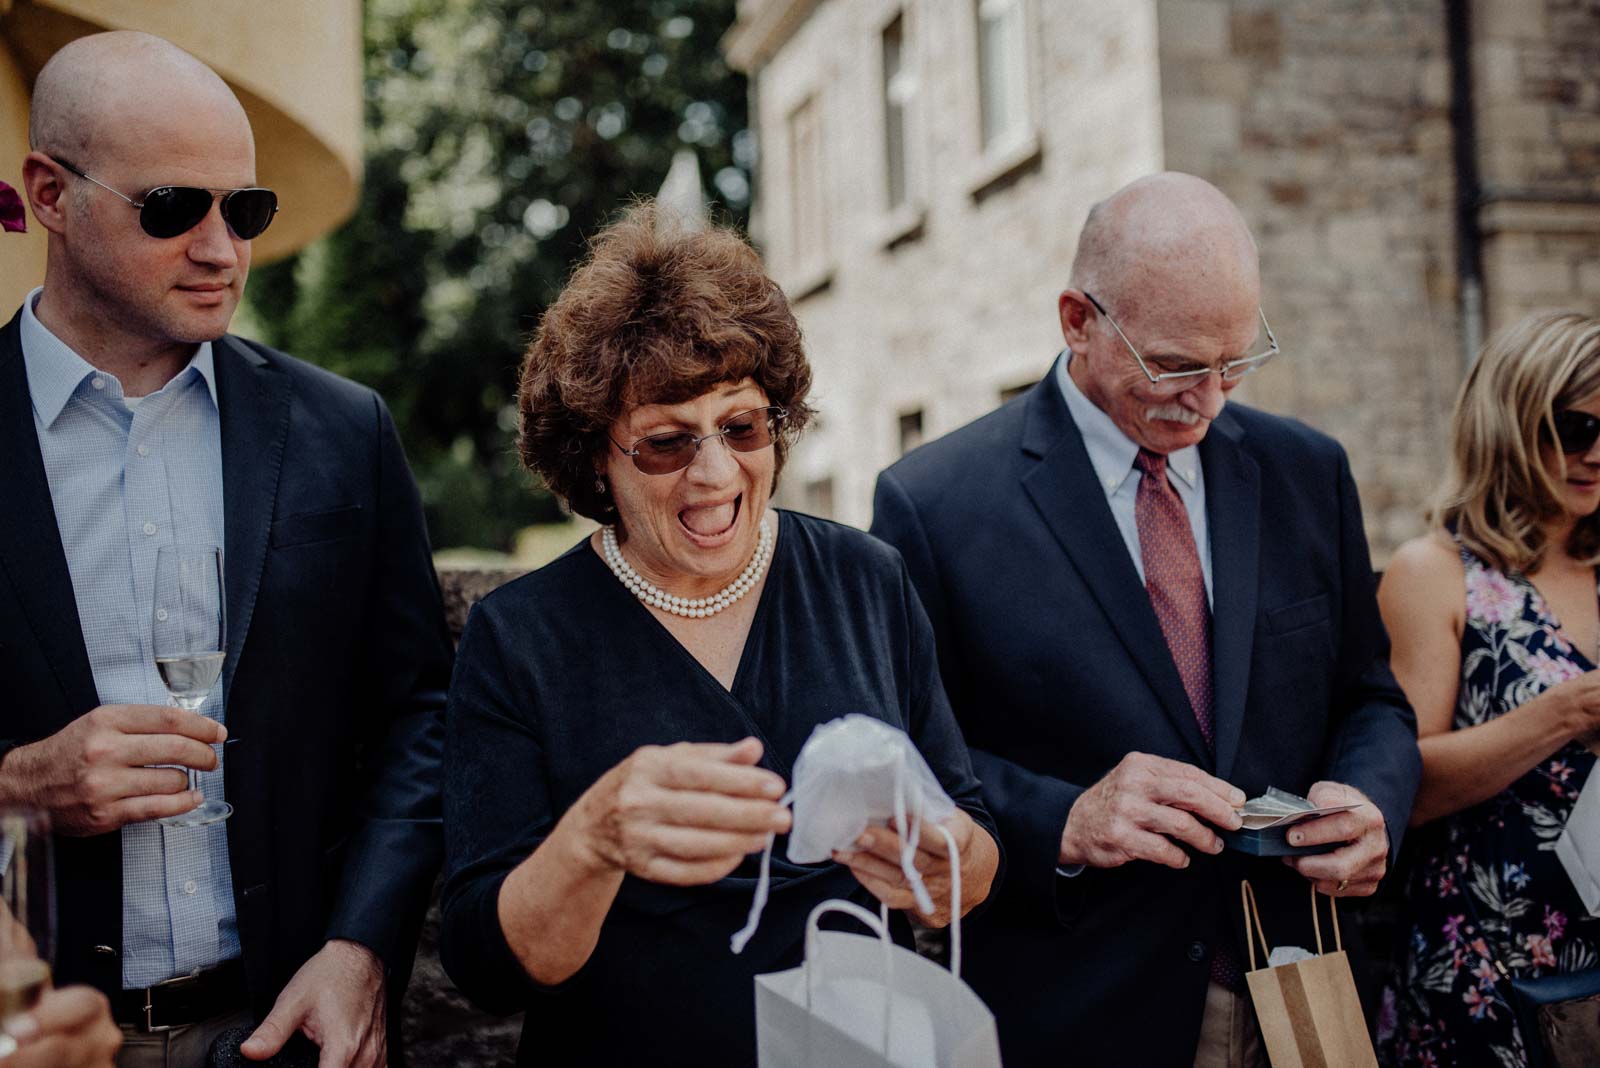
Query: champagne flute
[27,915]
[189,641]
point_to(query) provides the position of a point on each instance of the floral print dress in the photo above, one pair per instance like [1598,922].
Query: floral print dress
[1486,884]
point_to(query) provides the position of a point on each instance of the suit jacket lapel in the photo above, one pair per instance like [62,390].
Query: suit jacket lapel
[253,403]
[1233,518]
[31,553]
[1062,486]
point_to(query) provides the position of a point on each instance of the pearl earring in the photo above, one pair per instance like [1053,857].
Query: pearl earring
[600,486]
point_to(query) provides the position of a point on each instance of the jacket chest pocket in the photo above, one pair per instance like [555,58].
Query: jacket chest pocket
[310,528]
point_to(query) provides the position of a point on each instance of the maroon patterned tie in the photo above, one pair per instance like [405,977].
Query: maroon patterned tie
[1175,582]
[1177,589]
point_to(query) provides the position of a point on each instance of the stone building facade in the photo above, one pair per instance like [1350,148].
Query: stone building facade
[1415,171]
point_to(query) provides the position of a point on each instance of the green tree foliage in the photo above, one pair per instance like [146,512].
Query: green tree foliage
[500,135]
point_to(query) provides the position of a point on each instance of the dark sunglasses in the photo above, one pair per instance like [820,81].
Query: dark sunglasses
[1576,431]
[662,454]
[169,210]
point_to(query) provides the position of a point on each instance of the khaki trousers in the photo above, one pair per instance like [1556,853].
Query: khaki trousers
[181,1047]
[1229,1037]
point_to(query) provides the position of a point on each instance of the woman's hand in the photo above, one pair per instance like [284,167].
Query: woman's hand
[876,865]
[69,1028]
[683,814]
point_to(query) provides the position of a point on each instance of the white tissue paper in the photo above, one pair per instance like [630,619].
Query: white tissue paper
[853,772]
[1288,955]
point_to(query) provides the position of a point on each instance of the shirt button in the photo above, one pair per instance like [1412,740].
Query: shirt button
[1197,951]
[143,450]
[161,615]
[190,887]
[98,383]
[149,529]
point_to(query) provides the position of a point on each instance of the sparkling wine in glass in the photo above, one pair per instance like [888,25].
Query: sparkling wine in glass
[190,644]
[27,915]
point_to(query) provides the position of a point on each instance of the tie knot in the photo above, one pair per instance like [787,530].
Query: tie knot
[1151,463]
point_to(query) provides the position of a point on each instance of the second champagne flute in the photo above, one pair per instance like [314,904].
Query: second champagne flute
[190,644]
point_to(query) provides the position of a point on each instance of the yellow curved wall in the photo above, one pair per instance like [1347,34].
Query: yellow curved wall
[295,65]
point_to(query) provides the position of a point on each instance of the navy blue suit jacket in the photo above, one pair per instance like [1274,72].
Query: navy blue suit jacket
[338,663]
[1056,667]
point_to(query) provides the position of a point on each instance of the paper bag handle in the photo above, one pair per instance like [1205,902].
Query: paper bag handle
[1333,910]
[880,925]
[1247,896]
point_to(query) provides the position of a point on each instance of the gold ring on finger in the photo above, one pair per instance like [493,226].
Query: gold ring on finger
[1342,884]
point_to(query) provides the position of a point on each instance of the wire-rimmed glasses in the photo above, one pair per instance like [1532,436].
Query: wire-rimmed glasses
[662,454]
[1176,381]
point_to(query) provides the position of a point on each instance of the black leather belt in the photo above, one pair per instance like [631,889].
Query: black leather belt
[185,1000]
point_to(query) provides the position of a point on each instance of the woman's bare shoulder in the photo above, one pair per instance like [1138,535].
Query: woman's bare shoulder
[1425,570]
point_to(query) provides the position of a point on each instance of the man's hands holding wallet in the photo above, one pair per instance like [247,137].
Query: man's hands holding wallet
[1142,808]
[1147,805]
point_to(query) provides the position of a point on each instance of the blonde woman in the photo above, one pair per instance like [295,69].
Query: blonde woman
[1495,622]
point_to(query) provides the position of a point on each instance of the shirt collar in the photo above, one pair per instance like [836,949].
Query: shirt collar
[55,371]
[1111,452]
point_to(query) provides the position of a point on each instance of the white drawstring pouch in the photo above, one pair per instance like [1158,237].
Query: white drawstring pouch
[854,772]
[863,1002]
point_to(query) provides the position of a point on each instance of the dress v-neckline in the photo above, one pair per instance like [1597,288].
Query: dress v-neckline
[1547,616]
[747,653]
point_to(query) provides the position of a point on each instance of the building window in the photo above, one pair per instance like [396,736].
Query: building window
[805,185]
[910,430]
[1002,72]
[899,86]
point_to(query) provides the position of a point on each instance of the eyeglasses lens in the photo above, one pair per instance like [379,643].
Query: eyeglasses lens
[177,209]
[662,454]
[249,211]
[1576,431]
[173,209]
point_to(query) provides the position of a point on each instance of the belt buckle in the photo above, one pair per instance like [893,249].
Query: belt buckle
[150,1026]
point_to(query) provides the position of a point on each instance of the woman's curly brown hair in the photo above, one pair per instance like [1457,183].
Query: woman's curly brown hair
[657,314]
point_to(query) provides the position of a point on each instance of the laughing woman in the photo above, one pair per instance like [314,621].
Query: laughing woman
[622,721]
[1495,620]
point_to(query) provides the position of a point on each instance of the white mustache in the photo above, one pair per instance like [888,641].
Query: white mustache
[1175,412]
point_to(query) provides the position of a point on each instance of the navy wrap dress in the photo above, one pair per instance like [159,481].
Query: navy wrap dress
[562,674]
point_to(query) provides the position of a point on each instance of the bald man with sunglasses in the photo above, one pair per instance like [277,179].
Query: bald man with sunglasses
[131,420]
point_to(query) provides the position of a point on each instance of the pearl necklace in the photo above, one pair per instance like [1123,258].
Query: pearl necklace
[688,607]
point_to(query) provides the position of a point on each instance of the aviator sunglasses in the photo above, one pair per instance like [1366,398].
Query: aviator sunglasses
[662,454]
[169,210]
[1576,431]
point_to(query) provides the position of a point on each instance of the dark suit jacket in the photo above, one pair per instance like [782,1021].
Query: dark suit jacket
[1057,668]
[338,662]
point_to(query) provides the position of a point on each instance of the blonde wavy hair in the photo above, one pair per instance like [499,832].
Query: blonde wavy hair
[1501,496]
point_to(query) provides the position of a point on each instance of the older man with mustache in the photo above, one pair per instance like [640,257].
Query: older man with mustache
[1151,604]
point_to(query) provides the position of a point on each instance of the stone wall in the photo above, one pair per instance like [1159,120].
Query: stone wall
[1328,122]
[1537,108]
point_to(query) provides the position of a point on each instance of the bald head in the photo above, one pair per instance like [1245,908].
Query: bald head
[1162,232]
[103,91]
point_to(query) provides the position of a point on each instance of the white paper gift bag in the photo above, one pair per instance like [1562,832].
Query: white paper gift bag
[863,1002]
[1579,844]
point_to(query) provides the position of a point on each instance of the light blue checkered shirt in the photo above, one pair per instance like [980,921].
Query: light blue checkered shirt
[124,483]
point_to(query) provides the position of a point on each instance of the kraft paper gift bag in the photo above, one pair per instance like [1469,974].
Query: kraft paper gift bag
[1309,1012]
[864,1002]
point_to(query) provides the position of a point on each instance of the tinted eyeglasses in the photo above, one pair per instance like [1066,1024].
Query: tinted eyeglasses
[169,210]
[1576,432]
[662,454]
